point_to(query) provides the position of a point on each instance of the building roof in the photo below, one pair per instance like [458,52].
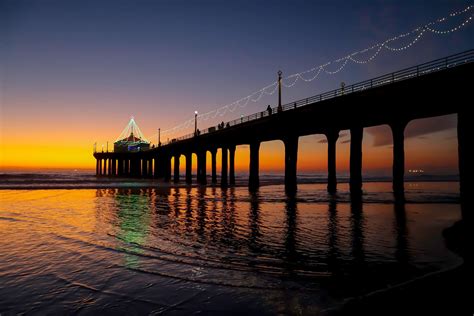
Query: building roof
[132,133]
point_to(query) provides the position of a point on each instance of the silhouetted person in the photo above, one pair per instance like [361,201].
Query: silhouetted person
[269,110]
[228,125]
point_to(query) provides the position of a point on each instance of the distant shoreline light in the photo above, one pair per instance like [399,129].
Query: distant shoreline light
[416,171]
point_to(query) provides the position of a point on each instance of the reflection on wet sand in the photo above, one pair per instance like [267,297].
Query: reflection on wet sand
[207,216]
[211,220]
[256,249]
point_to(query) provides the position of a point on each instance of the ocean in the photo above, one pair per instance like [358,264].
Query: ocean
[74,243]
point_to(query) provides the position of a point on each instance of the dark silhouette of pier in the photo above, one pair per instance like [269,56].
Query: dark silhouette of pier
[435,88]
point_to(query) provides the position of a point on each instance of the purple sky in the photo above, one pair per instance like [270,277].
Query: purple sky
[84,67]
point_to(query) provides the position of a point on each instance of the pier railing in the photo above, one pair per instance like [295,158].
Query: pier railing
[400,75]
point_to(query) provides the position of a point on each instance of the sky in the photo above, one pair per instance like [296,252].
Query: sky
[72,73]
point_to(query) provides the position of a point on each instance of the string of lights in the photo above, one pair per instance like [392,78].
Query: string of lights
[291,80]
[241,103]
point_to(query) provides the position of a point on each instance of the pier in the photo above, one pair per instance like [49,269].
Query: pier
[431,89]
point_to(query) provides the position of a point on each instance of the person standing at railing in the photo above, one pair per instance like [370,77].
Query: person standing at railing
[269,110]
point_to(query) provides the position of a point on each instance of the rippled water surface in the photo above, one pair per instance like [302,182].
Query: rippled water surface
[185,250]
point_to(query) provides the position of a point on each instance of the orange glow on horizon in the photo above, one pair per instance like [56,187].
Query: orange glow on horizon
[63,147]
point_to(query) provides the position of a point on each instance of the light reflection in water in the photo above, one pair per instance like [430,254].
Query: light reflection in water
[203,247]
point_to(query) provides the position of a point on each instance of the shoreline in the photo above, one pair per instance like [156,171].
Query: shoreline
[130,183]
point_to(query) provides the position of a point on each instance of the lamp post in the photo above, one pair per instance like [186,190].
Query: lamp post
[195,122]
[159,142]
[279,91]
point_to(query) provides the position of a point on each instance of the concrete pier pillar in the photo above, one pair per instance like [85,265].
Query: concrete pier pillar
[398,130]
[213,165]
[189,168]
[104,167]
[156,167]
[139,167]
[144,167]
[232,164]
[291,159]
[100,167]
[119,167]
[129,171]
[146,161]
[201,170]
[131,167]
[355,182]
[176,169]
[114,167]
[97,167]
[126,169]
[109,167]
[466,159]
[332,137]
[167,168]
[150,167]
[254,181]
[224,167]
